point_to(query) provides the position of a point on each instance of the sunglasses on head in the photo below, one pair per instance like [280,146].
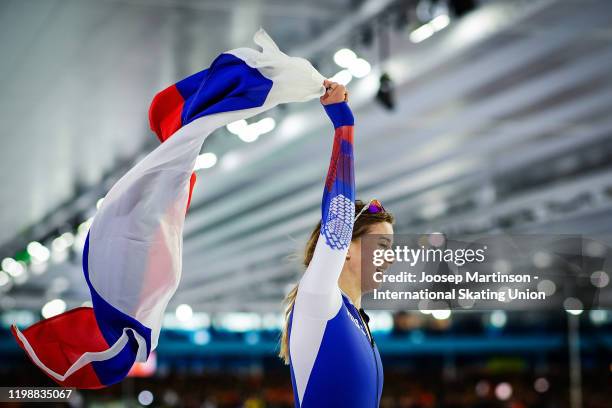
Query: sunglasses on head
[373,207]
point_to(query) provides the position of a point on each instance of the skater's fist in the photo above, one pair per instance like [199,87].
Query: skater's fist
[334,93]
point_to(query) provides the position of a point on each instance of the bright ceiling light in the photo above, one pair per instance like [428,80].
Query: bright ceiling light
[344,57]
[422,33]
[343,77]
[573,306]
[53,308]
[441,314]
[237,127]
[63,242]
[184,312]
[13,268]
[440,22]
[38,251]
[205,161]
[249,134]
[360,68]
[265,125]
[8,263]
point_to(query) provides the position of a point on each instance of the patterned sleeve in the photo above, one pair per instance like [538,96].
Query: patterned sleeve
[320,281]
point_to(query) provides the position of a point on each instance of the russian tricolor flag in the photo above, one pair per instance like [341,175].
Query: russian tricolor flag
[132,255]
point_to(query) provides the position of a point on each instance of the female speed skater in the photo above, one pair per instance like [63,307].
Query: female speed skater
[333,358]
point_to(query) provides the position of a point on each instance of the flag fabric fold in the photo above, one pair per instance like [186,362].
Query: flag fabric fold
[133,251]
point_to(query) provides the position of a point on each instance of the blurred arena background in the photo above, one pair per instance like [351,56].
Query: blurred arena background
[472,116]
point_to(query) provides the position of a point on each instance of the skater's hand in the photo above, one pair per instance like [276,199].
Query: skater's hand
[334,93]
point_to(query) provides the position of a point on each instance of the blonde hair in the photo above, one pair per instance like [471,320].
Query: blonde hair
[361,227]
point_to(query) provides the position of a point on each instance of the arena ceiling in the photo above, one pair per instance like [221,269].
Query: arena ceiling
[501,123]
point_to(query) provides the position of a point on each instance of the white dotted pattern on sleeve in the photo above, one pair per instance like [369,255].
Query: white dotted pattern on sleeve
[338,228]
